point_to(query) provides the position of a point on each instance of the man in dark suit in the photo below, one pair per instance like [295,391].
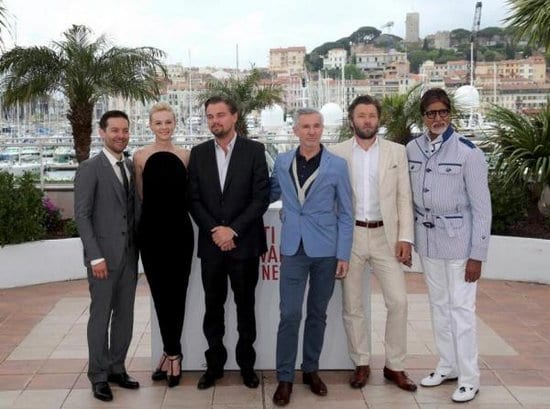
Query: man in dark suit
[105,218]
[229,192]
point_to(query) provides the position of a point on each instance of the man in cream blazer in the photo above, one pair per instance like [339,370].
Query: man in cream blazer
[382,237]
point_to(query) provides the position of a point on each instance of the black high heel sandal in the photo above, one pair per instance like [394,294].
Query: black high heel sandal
[174,380]
[159,373]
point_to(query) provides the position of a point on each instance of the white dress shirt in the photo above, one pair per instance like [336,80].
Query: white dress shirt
[365,176]
[113,161]
[223,158]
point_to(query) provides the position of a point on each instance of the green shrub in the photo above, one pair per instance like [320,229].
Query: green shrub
[21,209]
[509,201]
[70,228]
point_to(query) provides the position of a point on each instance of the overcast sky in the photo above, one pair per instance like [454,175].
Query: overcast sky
[208,30]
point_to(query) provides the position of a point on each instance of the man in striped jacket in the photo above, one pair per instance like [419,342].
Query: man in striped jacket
[452,209]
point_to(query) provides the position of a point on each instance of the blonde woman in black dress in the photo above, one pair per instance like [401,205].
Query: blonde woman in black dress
[165,234]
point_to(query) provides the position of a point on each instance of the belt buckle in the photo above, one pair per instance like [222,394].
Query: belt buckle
[429,225]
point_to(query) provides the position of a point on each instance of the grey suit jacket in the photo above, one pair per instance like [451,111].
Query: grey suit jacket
[105,221]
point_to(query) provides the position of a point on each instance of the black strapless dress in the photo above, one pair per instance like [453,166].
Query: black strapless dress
[166,242]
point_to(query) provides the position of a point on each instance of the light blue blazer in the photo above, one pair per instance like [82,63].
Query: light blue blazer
[325,221]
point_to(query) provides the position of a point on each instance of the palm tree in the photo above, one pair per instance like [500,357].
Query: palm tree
[400,112]
[521,147]
[3,22]
[530,20]
[248,94]
[83,70]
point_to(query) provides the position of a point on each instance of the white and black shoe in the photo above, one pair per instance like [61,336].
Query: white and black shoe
[436,379]
[464,394]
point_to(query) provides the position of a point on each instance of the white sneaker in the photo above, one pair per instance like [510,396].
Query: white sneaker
[464,394]
[436,379]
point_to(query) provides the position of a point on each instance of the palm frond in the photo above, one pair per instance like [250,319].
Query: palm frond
[248,94]
[29,73]
[521,145]
[530,19]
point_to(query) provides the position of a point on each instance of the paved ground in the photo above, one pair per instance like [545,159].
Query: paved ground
[43,356]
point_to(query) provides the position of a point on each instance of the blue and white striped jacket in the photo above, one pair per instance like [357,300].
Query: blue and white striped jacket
[452,204]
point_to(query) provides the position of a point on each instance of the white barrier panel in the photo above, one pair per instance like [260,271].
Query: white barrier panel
[335,351]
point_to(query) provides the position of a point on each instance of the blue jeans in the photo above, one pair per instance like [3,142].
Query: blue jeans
[295,271]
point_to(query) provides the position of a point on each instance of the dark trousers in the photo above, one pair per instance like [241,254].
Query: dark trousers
[243,276]
[168,285]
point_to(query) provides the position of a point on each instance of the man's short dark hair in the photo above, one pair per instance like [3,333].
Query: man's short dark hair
[366,100]
[115,113]
[232,105]
[434,95]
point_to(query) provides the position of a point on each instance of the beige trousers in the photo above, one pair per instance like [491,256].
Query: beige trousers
[371,246]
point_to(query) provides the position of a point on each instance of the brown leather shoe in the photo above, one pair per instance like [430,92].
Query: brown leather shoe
[281,397]
[400,378]
[315,383]
[360,376]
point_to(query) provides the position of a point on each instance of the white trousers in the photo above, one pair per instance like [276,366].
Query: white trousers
[452,303]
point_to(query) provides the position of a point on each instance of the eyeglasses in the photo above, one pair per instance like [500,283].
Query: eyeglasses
[443,113]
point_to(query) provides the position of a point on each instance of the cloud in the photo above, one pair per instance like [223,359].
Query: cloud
[211,29]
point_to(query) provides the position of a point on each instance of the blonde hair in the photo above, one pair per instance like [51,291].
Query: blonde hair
[161,106]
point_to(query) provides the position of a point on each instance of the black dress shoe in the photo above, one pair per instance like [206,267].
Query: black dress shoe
[250,379]
[102,391]
[123,380]
[208,379]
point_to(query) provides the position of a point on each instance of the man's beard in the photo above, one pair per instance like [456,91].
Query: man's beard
[365,134]
[220,132]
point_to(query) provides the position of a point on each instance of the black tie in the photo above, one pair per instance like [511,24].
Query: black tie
[125,182]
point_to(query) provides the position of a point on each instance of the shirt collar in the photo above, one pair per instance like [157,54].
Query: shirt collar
[112,159]
[357,146]
[439,139]
[230,145]
[300,156]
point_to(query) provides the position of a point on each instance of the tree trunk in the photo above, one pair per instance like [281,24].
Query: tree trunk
[80,117]
[241,127]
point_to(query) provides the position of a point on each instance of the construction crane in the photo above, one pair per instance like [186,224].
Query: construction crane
[473,42]
[388,25]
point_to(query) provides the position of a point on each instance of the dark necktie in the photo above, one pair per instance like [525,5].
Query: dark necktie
[125,182]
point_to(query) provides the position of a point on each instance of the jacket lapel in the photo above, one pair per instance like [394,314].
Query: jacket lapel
[323,166]
[110,173]
[348,156]
[233,162]
[382,161]
[213,169]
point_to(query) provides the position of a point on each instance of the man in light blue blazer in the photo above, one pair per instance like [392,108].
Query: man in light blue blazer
[316,237]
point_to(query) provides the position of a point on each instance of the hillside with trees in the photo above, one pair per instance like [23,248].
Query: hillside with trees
[493,44]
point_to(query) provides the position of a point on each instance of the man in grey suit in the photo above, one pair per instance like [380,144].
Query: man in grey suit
[105,218]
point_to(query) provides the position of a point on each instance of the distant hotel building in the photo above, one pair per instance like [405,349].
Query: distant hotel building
[288,61]
[378,63]
[442,39]
[412,28]
[335,58]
